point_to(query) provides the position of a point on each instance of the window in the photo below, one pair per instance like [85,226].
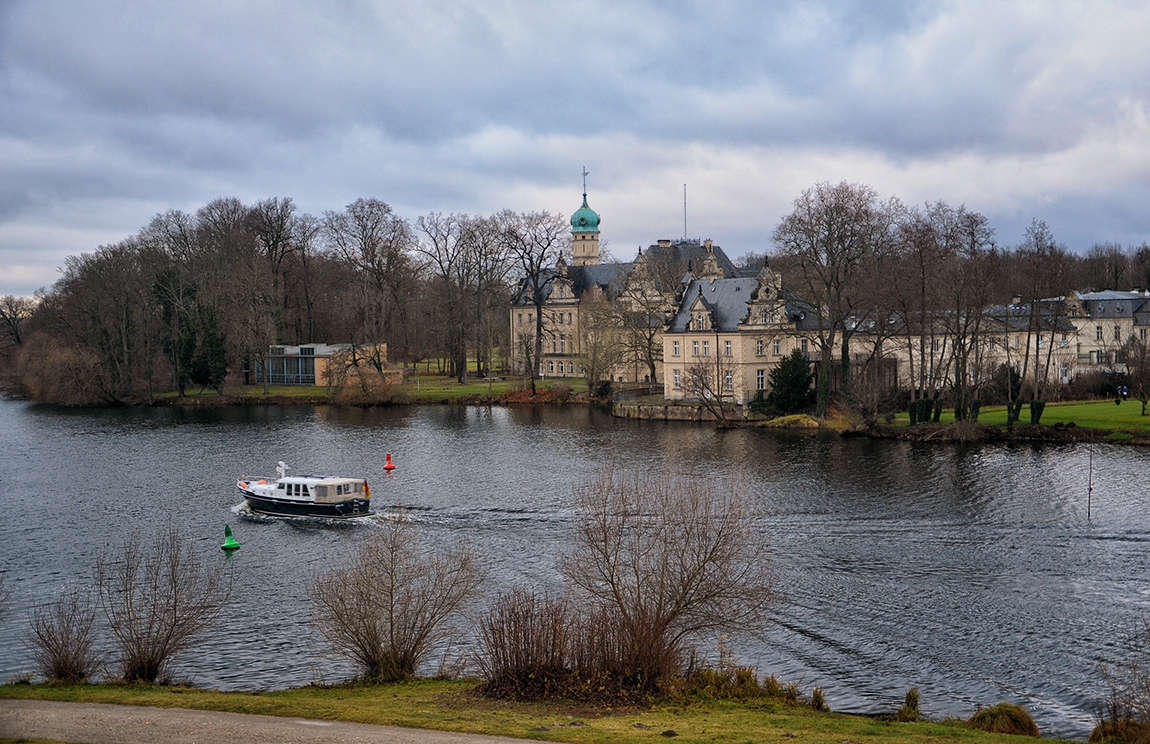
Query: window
[706,348]
[520,319]
[550,366]
[674,348]
[1097,333]
[759,347]
[678,379]
[1142,333]
[776,347]
[562,344]
[760,379]
[804,347]
[763,316]
[726,348]
[1117,333]
[729,381]
[695,348]
[934,345]
[1065,341]
[307,351]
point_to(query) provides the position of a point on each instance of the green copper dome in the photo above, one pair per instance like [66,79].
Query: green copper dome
[585,219]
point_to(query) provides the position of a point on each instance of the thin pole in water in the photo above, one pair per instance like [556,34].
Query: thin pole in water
[1090,482]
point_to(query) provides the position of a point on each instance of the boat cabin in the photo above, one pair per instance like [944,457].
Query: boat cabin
[323,491]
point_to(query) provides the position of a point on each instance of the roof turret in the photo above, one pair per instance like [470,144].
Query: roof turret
[585,219]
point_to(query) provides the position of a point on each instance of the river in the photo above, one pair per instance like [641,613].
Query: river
[970,572]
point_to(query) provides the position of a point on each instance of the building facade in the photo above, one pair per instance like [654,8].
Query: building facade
[605,319]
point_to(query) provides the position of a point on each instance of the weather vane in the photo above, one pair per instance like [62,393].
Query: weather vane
[585,174]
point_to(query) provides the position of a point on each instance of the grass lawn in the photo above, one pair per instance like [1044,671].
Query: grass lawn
[452,706]
[428,389]
[1093,414]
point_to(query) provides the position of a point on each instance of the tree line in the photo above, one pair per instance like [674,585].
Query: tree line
[191,297]
[876,271]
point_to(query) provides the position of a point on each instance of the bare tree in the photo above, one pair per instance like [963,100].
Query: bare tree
[669,559]
[535,241]
[63,640]
[600,348]
[14,314]
[447,251]
[389,603]
[1106,266]
[377,242]
[1137,356]
[159,603]
[831,240]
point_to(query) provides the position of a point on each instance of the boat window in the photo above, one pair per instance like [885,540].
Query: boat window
[339,490]
[280,486]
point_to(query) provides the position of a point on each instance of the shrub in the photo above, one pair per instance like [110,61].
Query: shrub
[62,638]
[159,602]
[388,603]
[525,650]
[1120,731]
[819,700]
[909,710]
[666,560]
[1004,718]
[561,391]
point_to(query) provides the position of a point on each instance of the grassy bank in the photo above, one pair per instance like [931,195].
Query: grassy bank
[453,706]
[428,389]
[1095,414]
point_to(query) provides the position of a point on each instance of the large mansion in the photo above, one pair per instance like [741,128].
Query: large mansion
[683,315]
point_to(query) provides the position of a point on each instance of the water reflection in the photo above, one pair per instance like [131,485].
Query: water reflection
[971,572]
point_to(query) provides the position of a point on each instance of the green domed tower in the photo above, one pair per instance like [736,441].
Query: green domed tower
[584,233]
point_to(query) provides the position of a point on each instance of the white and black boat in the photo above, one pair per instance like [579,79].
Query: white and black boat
[318,496]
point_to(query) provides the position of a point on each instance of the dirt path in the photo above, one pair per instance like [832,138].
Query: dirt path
[89,723]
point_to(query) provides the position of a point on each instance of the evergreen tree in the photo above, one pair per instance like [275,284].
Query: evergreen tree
[791,385]
[210,365]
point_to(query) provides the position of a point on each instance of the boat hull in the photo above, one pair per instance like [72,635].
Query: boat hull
[346,509]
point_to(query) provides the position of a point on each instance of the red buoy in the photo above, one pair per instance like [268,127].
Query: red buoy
[387,465]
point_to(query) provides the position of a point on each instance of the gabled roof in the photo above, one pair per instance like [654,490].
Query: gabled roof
[726,300]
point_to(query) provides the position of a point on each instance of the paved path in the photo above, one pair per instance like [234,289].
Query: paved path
[90,723]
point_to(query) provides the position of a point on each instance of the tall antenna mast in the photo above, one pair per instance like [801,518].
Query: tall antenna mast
[684,213]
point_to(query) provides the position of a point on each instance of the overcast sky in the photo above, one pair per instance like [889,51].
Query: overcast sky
[111,112]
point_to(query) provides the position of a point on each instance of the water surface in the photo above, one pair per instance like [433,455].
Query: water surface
[971,572]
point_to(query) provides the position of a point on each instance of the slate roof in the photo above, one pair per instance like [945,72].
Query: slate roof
[1114,304]
[611,276]
[727,300]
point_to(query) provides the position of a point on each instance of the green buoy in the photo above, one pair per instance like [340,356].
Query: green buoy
[230,543]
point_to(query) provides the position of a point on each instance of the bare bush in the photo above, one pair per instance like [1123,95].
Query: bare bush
[159,603]
[388,603]
[63,640]
[666,561]
[524,645]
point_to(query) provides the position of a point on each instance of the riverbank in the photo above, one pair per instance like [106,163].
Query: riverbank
[445,705]
[1073,421]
